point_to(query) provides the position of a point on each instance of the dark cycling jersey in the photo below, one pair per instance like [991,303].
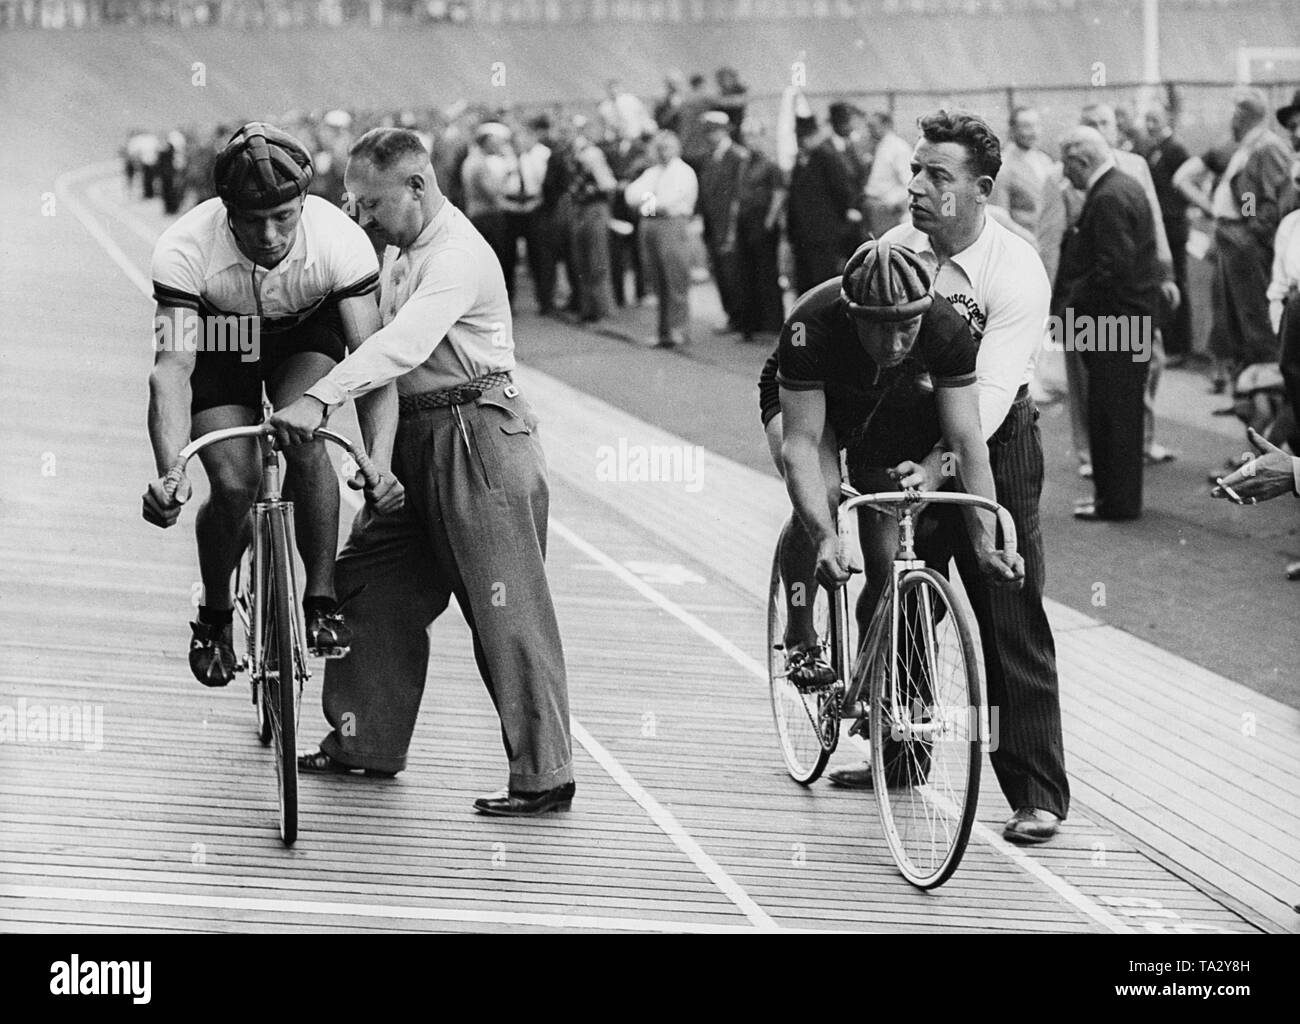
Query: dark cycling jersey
[881,415]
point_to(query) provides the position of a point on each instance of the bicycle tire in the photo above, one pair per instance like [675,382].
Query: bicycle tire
[280,673]
[802,749]
[927,789]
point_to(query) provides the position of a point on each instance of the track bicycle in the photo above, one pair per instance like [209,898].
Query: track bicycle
[269,609]
[913,685]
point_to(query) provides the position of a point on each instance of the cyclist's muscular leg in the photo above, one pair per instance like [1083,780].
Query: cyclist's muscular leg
[309,477]
[223,527]
[223,530]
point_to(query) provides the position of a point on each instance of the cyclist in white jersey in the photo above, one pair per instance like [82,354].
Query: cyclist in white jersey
[263,285]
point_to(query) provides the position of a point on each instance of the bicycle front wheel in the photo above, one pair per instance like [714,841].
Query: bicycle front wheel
[926,718]
[247,586]
[807,722]
[280,672]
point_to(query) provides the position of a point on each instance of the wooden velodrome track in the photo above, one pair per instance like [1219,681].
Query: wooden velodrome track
[163,817]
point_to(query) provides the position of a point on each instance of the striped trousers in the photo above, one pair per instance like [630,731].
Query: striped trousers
[1019,652]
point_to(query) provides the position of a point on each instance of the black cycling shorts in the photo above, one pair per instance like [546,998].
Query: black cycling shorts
[233,377]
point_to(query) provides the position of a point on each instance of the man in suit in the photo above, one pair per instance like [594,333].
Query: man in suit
[1061,207]
[719,198]
[1107,297]
[1164,156]
[822,206]
[843,143]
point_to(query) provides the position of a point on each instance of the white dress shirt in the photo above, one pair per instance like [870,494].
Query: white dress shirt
[445,314]
[891,170]
[532,169]
[664,190]
[1286,266]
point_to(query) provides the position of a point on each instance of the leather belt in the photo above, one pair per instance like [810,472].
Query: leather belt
[458,394]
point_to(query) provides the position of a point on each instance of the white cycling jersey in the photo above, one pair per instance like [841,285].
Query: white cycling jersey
[196,264]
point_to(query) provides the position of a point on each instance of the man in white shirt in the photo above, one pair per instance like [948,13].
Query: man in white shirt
[474,525]
[526,218]
[996,280]
[886,188]
[1284,285]
[1025,167]
[664,195]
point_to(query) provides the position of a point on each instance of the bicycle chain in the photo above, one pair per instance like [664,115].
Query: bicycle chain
[826,724]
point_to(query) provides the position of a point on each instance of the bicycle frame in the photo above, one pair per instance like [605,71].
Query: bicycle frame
[269,509]
[269,607]
[904,506]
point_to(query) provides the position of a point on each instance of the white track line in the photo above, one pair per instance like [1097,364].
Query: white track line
[661,817]
[387,913]
[62,190]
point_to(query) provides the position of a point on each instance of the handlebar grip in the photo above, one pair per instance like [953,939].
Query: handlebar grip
[367,467]
[1008,532]
[173,480]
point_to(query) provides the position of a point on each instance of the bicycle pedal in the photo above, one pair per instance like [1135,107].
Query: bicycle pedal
[330,653]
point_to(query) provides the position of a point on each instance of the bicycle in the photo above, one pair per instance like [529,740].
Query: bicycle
[266,588]
[926,712]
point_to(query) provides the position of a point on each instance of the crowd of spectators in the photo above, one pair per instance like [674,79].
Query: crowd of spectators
[630,202]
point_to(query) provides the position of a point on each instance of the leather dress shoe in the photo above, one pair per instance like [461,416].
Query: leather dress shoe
[520,804]
[320,763]
[1030,825]
[857,777]
[860,777]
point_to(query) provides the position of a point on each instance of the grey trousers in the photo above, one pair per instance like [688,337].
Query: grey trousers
[667,263]
[474,526]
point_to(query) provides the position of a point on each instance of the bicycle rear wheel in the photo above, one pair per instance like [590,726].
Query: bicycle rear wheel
[280,671]
[926,718]
[807,722]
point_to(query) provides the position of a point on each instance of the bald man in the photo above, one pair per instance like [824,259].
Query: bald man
[1060,211]
[474,525]
[1107,296]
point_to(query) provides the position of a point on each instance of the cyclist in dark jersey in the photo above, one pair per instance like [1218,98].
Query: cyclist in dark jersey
[877,365]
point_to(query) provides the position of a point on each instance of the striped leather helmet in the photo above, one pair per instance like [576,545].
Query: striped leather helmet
[886,282]
[261,167]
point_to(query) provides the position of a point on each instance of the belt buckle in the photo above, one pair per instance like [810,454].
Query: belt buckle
[511,391]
